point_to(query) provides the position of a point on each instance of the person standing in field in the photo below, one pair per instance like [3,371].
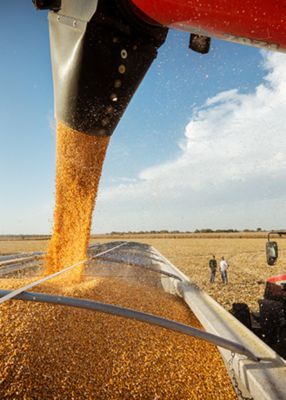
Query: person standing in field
[213,267]
[223,270]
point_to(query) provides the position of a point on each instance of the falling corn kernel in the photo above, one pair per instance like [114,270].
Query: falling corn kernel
[78,168]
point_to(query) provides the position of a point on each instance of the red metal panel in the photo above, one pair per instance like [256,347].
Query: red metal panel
[277,278]
[256,22]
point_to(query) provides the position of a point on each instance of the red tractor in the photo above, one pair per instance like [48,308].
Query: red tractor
[270,323]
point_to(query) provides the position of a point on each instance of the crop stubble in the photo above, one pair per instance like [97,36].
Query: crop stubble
[247,271]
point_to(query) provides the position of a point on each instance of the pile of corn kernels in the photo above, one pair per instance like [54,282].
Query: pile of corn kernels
[56,352]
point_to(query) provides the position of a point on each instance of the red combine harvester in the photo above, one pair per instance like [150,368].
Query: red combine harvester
[255,22]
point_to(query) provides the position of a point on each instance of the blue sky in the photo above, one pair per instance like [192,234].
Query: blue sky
[199,146]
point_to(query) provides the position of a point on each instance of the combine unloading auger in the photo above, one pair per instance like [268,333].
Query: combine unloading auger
[101,49]
[100,53]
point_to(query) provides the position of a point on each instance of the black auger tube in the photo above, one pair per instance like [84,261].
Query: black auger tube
[100,50]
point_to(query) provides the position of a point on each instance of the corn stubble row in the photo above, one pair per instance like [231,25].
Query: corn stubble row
[54,352]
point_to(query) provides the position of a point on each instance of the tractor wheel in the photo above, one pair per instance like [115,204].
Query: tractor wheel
[242,313]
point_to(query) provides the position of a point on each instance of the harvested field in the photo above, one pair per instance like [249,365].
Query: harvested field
[22,246]
[247,272]
[246,256]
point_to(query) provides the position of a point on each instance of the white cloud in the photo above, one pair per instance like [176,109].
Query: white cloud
[233,158]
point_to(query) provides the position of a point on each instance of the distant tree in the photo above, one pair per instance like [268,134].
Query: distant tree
[258,230]
[206,230]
